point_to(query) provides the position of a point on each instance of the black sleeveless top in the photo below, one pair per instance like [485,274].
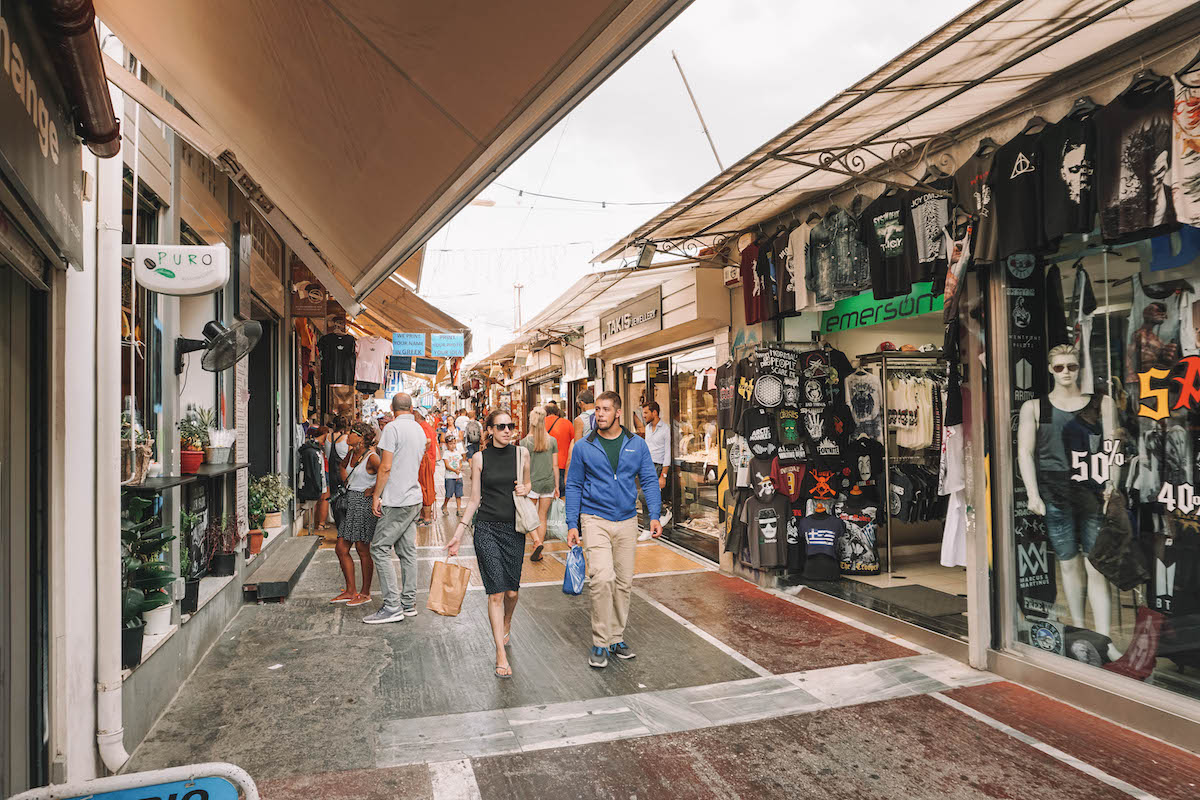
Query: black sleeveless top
[497,481]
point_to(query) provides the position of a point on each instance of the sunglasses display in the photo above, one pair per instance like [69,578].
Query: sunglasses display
[1068,367]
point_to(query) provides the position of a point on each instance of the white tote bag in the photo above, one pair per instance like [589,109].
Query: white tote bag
[527,513]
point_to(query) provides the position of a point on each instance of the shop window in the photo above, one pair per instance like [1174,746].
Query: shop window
[694,442]
[1106,438]
[141,329]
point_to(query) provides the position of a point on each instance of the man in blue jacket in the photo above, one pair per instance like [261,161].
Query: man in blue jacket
[602,489]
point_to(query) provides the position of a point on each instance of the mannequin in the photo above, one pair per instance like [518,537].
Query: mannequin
[1073,510]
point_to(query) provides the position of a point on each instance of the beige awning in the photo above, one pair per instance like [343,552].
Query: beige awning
[996,53]
[370,124]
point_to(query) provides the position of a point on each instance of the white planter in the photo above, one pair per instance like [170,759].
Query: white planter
[158,620]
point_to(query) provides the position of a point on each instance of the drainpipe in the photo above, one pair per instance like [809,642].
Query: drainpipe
[70,26]
[110,734]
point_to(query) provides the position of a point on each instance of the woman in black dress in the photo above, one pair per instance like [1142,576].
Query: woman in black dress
[499,548]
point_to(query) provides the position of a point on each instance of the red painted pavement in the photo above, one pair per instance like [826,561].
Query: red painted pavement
[410,782]
[781,636]
[1151,765]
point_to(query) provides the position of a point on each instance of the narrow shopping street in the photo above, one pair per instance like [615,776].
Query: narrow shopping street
[736,692]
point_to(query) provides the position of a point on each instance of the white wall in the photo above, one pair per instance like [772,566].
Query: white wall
[197,385]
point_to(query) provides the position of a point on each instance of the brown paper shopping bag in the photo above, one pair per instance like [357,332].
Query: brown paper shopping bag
[448,588]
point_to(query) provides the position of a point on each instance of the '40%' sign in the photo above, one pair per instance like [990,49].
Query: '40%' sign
[1180,497]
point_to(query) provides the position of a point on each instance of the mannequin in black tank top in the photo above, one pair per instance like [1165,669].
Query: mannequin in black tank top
[499,548]
[1057,435]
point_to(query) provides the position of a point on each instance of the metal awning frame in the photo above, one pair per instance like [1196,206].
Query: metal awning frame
[844,160]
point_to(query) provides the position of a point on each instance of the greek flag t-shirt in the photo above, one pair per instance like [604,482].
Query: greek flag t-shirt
[822,534]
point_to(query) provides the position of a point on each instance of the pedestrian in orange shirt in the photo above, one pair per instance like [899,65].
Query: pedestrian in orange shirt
[426,472]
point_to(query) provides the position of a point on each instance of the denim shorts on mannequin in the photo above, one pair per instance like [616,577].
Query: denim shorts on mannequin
[1073,514]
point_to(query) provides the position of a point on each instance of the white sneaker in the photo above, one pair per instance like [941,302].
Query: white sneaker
[665,519]
[645,536]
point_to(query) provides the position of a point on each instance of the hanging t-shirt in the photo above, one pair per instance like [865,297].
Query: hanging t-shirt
[864,395]
[1185,157]
[795,296]
[766,527]
[739,461]
[759,425]
[1068,154]
[726,389]
[958,256]
[743,395]
[821,255]
[753,299]
[781,297]
[1134,165]
[818,380]
[822,534]
[778,377]
[929,214]
[1016,183]
[789,479]
[904,495]
[762,481]
[866,457]
[791,431]
[884,229]
[795,541]
[971,191]
[338,358]
[857,553]
[372,353]
[768,274]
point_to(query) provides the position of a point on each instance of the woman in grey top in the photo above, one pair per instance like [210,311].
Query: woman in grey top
[543,458]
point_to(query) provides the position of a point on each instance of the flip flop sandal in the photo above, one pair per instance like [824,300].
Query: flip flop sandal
[537,553]
[503,675]
[340,599]
[507,636]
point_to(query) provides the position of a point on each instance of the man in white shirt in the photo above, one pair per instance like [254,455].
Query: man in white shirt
[658,439]
[461,422]
[397,504]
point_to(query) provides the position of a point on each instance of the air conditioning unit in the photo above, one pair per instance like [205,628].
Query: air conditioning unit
[521,358]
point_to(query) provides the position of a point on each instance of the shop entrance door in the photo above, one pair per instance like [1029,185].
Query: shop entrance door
[262,413]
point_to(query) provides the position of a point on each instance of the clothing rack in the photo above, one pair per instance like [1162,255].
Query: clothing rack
[910,360]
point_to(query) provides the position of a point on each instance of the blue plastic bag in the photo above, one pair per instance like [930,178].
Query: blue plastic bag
[576,572]
[556,520]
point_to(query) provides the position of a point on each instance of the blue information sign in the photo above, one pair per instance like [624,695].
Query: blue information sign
[446,345]
[408,344]
[198,789]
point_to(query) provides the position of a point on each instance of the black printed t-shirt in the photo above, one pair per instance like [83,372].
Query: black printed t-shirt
[766,528]
[726,389]
[1068,155]
[866,458]
[760,432]
[752,288]
[743,393]
[971,191]
[1016,183]
[1134,164]
[885,228]
[928,215]
[779,275]
[338,357]
[762,480]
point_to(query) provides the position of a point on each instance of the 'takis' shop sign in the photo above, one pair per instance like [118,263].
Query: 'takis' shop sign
[632,319]
[39,152]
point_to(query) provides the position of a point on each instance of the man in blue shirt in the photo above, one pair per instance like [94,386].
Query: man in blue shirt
[606,468]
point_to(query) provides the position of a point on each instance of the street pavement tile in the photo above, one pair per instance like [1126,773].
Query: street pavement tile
[410,782]
[746,701]
[568,724]
[781,636]
[1162,770]
[866,683]
[444,738]
[914,748]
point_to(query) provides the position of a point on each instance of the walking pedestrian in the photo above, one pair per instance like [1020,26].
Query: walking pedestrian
[543,461]
[473,436]
[358,471]
[585,420]
[658,440]
[497,473]
[452,460]
[564,435]
[460,423]
[320,437]
[397,502]
[425,476]
[602,482]
[336,449]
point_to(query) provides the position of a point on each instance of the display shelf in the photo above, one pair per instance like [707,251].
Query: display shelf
[217,470]
[160,483]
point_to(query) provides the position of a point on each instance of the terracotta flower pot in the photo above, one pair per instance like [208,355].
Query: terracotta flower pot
[190,461]
[256,540]
[273,519]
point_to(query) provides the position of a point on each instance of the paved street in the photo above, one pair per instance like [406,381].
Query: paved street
[735,693]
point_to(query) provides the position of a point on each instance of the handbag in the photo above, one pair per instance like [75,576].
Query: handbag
[556,522]
[447,588]
[527,513]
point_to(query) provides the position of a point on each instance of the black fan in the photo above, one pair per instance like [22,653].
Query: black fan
[223,347]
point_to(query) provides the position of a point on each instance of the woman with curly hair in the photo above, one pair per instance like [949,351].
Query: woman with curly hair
[357,471]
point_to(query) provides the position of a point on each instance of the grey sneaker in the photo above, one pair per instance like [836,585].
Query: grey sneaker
[621,651]
[410,612]
[598,658]
[385,615]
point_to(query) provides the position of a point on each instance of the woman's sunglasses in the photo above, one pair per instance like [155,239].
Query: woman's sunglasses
[505,426]
[1068,367]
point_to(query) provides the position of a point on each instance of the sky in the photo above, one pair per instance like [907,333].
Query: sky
[755,66]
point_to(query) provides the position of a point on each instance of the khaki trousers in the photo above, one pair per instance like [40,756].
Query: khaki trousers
[610,548]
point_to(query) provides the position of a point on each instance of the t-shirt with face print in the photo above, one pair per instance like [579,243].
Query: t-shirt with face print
[1068,153]
[766,528]
[1134,165]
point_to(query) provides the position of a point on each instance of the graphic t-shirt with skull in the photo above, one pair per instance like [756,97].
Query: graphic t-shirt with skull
[1068,151]
[762,477]
[1134,165]
[864,394]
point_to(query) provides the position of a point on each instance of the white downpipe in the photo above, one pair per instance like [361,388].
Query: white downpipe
[110,733]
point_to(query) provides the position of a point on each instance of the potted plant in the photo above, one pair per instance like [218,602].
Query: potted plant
[222,540]
[137,448]
[220,445]
[269,494]
[191,584]
[144,572]
[193,438]
[254,539]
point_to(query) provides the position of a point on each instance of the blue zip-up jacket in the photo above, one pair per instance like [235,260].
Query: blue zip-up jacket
[592,488]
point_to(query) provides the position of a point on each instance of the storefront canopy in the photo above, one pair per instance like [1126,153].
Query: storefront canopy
[995,54]
[371,124]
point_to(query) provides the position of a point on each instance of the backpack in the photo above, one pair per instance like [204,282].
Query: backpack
[474,430]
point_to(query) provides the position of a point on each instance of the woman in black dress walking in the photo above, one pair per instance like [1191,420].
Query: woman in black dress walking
[499,548]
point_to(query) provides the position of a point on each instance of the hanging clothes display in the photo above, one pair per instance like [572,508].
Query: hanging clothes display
[885,229]
[929,214]
[795,295]
[1185,155]
[338,358]
[1016,184]
[753,298]
[1067,152]
[864,394]
[973,194]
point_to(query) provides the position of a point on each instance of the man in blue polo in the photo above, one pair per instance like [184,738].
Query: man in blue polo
[606,468]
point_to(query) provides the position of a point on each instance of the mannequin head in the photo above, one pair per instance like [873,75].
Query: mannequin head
[1064,365]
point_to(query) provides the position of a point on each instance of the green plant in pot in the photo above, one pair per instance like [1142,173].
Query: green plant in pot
[146,579]
[193,437]
[270,495]
[221,541]
[188,564]
[256,519]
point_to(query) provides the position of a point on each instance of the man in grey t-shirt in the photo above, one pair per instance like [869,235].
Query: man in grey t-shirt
[397,504]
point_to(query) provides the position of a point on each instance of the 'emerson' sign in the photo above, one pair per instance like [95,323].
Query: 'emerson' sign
[863,309]
[636,317]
